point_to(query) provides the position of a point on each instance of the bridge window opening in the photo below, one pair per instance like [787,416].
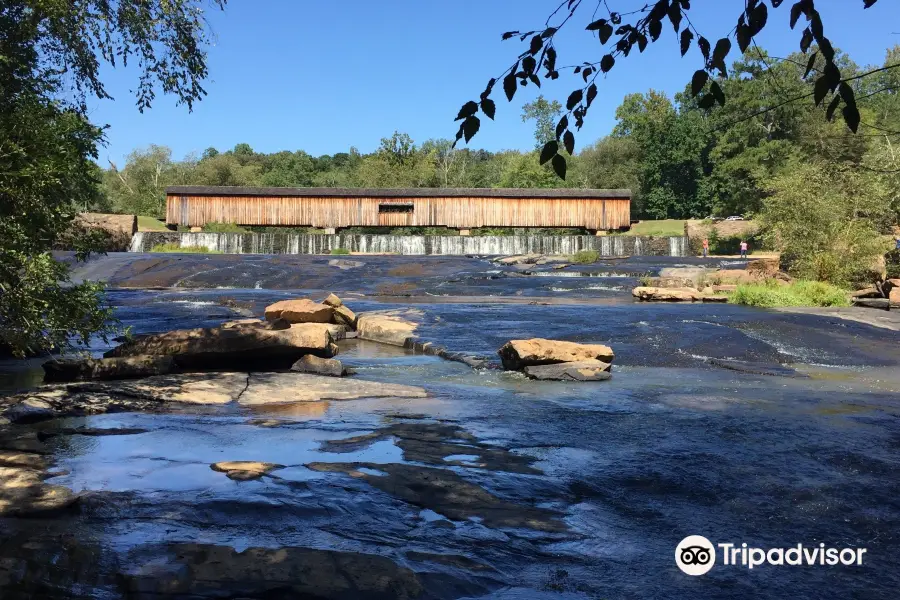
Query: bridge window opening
[395,207]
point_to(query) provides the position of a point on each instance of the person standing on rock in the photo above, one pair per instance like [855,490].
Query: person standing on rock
[743,249]
[705,247]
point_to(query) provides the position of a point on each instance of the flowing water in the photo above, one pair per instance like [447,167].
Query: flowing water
[280,243]
[493,486]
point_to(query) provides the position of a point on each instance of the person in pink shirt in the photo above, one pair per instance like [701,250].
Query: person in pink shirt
[743,249]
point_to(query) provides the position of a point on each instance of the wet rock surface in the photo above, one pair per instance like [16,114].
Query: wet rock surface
[517,354]
[490,485]
[581,370]
[232,347]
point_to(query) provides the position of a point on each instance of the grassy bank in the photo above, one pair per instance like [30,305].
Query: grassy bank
[661,228]
[799,293]
[172,247]
[150,224]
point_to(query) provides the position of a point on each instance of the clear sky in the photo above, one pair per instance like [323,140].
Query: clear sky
[325,76]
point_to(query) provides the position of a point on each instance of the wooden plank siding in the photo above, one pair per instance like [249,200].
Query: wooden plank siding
[194,208]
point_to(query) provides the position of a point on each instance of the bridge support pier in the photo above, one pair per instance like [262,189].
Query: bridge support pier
[465,232]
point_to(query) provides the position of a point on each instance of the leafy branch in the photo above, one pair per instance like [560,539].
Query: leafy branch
[620,37]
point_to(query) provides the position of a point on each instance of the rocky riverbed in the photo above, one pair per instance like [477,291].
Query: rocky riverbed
[427,478]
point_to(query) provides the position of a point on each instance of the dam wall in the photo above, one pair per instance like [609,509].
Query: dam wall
[285,243]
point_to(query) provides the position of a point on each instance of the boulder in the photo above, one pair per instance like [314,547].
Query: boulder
[714,298]
[333,301]
[894,295]
[725,288]
[766,267]
[126,367]
[338,332]
[517,354]
[386,328]
[878,303]
[344,316]
[319,366]
[243,470]
[582,370]
[256,324]
[668,282]
[236,348]
[867,292]
[301,310]
[656,294]
[519,259]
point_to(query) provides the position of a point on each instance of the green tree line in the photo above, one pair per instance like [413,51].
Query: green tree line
[679,160]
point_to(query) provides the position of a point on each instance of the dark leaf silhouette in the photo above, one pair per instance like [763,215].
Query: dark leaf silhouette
[561,126]
[698,81]
[675,15]
[574,98]
[707,102]
[607,62]
[605,33]
[717,93]
[723,47]
[510,86]
[488,108]
[549,150]
[655,29]
[468,109]
[686,37]
[704,47]
[591,93]
[821,89]
[559,166]
[569,142]
[810,64]
[470,127]
[851,117]
[537,42]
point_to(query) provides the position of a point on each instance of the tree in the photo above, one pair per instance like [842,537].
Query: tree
[612,163]
[824,221]
[51,52]
[620,32]
[544,115]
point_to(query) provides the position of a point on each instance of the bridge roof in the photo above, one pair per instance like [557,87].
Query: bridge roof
[534,193]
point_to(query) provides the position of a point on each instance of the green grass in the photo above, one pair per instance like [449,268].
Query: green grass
[799,293]
[150,224]
[662,228]
[340,251]
[585,257]
[173,247]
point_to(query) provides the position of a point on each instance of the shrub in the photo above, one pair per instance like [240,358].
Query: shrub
[584,257]
[223,228]
[493,231]
[173,247]
[340,251]
[799,293]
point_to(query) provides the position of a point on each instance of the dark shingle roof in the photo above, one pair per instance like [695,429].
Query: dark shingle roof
[191,190]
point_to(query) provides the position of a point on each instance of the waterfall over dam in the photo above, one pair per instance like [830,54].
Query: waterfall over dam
[286,243]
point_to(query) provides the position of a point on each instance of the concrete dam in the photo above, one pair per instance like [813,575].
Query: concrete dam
[412,245]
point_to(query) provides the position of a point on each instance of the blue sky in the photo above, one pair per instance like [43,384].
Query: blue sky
[325,76]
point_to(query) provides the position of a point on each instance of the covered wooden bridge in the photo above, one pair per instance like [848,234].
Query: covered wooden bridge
[461,208]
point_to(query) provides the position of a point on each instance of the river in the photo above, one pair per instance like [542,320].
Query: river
[738,424]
